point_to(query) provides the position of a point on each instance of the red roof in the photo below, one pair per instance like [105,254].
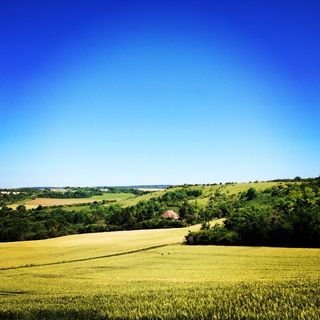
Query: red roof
[170,214]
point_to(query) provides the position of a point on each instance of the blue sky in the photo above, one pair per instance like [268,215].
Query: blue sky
[151,92]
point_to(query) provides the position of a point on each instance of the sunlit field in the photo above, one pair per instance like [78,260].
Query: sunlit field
[150,275]
[46,202]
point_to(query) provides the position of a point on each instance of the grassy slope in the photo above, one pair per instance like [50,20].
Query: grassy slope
[207,191]
[172,282]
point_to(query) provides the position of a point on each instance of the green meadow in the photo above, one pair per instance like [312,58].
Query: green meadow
[150,274]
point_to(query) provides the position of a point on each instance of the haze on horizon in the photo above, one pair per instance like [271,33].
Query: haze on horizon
[136,93]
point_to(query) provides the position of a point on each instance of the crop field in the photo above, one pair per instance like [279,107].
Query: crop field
[149,274]
[34,203]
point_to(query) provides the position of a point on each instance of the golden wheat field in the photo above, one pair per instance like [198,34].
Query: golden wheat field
[149,274]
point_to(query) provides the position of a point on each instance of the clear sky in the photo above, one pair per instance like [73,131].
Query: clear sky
[150,92]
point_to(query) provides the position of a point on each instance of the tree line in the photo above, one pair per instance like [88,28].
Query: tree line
[285,215]
[70,193]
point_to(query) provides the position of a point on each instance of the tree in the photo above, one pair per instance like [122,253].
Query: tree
[251,193]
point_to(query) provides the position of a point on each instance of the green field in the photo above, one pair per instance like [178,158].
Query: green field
[149,275]
[113,196]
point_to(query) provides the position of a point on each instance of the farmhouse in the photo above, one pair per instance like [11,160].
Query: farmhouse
[170,214]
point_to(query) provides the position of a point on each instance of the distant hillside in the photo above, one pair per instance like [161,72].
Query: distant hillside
[206,191]
[142,186]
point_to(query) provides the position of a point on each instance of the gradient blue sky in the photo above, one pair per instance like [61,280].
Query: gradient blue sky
[150,92]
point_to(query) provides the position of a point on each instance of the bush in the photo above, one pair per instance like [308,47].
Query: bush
[217,235]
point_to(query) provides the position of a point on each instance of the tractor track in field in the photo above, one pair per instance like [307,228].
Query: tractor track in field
[88,259]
